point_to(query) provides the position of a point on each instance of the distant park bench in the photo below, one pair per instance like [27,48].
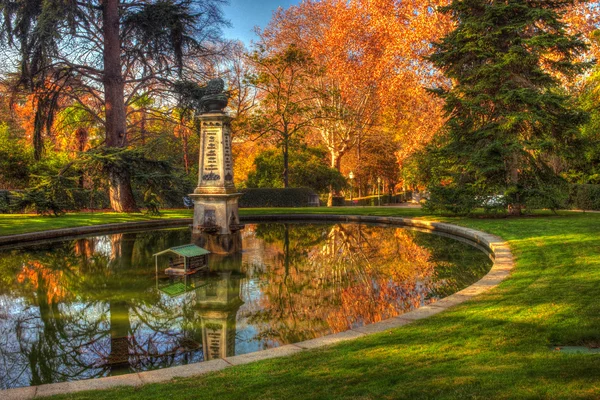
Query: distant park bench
[187,202]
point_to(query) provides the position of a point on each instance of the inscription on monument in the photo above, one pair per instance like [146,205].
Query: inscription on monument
[214,344]
[227,157]
[211,163]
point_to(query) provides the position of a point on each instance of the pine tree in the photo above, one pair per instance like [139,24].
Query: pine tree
[507,111]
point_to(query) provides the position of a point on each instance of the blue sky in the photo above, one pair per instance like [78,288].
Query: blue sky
[244,15]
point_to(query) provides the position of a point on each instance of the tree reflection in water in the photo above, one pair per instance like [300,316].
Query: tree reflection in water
[341,277]
[94,307]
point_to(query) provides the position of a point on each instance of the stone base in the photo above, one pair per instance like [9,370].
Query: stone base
[217,243]
[219,208]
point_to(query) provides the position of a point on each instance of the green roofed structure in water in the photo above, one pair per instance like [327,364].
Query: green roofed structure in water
[189,259]
[187,250]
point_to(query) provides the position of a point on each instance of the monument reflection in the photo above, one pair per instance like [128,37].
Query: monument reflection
[214,298]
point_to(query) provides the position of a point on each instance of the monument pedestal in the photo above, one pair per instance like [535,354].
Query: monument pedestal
[216,223]
[215,213]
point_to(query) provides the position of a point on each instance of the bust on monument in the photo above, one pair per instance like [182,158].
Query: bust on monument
[213,98]
[209,98]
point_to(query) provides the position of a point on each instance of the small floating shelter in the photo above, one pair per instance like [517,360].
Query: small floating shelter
[187,259]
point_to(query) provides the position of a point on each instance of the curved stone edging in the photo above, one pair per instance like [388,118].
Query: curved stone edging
[503,263]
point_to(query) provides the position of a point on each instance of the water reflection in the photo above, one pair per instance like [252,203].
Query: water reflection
[96,306]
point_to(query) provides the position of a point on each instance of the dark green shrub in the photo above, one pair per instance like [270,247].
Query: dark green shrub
[92,199]
[454,200]
[586,197]
[290,197]
[39,201]
[404,196]
[148,172]
[338,201]
[549,197]
[4,202]
[52,194]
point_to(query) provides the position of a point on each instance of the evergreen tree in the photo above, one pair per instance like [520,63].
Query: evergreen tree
[507,112]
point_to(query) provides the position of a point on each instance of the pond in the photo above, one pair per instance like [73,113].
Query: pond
[96,306]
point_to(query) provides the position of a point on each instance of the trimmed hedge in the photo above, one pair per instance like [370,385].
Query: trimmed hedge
[338,201]
[290,197]
[385,199]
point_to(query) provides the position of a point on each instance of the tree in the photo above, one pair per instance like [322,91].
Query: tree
[506,109]
[14,161]
[242,95]
[282,80]
[308,168]
[115,49]
[378,160]
[371,55]
[584,163]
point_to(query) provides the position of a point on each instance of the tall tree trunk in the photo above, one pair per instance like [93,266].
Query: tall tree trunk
[143,126]
[120,192]
[286,162]
[186,157]
[81,138]
[515,206]
[182,131]
[358,169]
[336,162]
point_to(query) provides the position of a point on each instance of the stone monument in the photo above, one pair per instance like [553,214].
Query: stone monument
[216,221]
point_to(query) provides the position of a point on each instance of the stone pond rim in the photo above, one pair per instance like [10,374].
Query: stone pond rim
[499,249]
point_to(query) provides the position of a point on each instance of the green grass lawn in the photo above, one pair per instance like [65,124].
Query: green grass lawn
[12,224]
[499,345]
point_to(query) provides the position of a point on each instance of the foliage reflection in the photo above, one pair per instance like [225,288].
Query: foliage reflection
[96,306]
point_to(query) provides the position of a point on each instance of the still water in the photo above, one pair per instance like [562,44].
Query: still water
[96,306]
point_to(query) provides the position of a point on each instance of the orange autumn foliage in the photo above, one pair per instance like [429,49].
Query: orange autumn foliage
[39,276]
[584,18]
[357,275]
[372,54]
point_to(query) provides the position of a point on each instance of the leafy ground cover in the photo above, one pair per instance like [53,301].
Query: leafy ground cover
[500,345]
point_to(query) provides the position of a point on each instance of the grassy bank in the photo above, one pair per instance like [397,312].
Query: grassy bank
[497,346]
[12,224]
